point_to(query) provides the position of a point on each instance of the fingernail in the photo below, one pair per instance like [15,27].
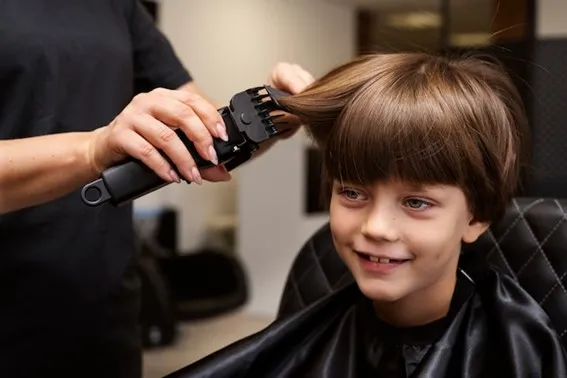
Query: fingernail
[174,176]
[213,155]
[196,176]
[222,132]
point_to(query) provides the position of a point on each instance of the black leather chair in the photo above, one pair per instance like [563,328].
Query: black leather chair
[529,243]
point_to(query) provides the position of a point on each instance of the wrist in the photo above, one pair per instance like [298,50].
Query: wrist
[88,152]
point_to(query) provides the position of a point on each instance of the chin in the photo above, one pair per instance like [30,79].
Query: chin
[379,291]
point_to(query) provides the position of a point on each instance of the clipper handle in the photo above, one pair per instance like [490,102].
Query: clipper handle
[122,183]
[132,179]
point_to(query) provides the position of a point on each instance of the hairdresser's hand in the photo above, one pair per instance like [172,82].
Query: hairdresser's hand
[293,79]
[146,125]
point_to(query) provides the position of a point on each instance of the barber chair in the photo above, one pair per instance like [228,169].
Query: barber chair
[180,286]
[529,243]
[185,287]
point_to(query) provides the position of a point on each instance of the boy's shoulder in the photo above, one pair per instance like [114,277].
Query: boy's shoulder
[506,303]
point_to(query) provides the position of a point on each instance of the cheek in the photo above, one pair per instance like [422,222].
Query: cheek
[437,241]
[345,223]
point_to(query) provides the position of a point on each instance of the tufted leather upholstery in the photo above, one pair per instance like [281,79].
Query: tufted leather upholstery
[529,243]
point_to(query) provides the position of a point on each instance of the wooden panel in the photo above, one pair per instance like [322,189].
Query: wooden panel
[511,21]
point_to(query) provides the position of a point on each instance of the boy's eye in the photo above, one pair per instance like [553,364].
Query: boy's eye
[417,204]
[351,194]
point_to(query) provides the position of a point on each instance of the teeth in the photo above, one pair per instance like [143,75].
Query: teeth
[381,260]
[259,97]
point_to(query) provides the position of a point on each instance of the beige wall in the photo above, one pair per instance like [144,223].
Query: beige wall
[229,46]
[551,19]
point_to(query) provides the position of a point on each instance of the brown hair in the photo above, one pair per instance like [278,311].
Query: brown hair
[422,119]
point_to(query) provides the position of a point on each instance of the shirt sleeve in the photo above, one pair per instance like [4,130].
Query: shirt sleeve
[155,62]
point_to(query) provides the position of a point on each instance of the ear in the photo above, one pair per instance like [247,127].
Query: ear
[474,230]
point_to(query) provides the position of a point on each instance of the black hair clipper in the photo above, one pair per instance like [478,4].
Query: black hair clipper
[248,123]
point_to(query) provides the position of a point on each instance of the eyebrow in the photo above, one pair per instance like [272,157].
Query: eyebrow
[421,188]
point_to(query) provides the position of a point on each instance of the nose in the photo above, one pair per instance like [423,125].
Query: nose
[381,225]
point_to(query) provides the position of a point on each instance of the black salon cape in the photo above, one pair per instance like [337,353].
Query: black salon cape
[493,329]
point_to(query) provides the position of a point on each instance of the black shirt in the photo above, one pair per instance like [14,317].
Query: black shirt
[68,293]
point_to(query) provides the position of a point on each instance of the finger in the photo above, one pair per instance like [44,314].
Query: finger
[207,113]
[308,79]
[284,119]
[275,77]
[210,116]
[139,148]
[215,174]
[176,114]
[164,138]
[293,84]
[290,78]
[288,130]
[301,79]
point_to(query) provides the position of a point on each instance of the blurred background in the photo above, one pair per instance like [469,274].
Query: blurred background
[216,256]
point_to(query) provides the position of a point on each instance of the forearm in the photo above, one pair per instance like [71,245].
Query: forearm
[40,169]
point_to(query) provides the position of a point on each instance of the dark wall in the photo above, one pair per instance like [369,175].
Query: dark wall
[549,110]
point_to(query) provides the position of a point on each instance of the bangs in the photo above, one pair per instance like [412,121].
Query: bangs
[389,132]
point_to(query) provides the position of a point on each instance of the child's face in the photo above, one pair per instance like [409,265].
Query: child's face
[418,229]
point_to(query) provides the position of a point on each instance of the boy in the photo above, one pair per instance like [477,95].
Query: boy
[422,153]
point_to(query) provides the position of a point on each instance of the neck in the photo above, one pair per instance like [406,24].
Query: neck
[421,307]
